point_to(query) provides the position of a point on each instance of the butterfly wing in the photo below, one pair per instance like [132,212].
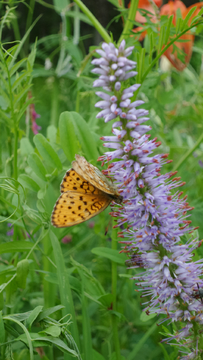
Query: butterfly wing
[93,175]
[74,208]
[72,181]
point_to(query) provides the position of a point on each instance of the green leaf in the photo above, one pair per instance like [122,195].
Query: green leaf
[97,356]
[26,147]
[37,166]
[106,299]
[26,334]
[16,66]
[64,286]
[144,317]
[2,329]
[167,33]
[188,16]
[60,5]
[33,315]
[110,254]
[1,306]
[28,182]
[52,133]
[23,109]
[5,117]
[19,80]
[5,100]
[47,312]
[15,246]
[53,330]
[46,340]
[22,272]
[18,48]
[75,135]
[69,141]
[47,152]
[21,94]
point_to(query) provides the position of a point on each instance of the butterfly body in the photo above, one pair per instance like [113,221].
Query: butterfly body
[85,193]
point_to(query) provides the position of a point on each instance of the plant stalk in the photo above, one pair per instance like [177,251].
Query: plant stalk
[129,23]
[114,302]
[94,21]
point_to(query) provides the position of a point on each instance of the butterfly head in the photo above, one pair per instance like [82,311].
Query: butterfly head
[117,198]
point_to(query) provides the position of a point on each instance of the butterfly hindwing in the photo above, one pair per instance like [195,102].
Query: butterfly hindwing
[73,208]
[85,193]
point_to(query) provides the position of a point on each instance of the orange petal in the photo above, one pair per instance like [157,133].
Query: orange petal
[184,46]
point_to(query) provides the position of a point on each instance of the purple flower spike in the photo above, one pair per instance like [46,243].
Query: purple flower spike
[152,218]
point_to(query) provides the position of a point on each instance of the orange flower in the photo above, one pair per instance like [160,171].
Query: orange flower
[146,5]
[184,47]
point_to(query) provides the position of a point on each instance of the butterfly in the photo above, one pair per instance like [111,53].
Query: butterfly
[85,193]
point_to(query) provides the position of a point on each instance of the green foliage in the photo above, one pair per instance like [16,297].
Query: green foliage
[57,286]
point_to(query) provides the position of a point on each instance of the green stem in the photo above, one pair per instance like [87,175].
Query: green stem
[76,27]
[77,105]
[9,142]
[62,54]
[15,159]
[130,21]
[15,172]
[28,23]
[54,103]
[15,152]
[114,292]
[188,153]
[17,31]
[141,342]
[27,121]
[94,21]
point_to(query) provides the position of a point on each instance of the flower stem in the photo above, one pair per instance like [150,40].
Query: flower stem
[114,291]
[15,152]
[94,21]
[129,23]
[15,170]
[15,160]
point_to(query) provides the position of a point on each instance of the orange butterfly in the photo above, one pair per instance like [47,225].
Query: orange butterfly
[85,193]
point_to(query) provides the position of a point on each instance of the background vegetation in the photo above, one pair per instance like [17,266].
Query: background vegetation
[57,285]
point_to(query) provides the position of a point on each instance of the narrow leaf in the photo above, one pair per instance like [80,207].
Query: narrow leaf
[189,15]
[16,66]
[69,141]
[2,329]
[33,315]
[47,152]
[28,182]
[64,286]
[21,94]
[37,166]
[19,80]
[22,272]
[75,134]
[49,311]
[27,335]
[53,330]
[110,254]
[15,246]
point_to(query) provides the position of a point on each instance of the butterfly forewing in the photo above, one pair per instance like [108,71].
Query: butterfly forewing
[72,181]
[93,175]
[85,193]
[73,208]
